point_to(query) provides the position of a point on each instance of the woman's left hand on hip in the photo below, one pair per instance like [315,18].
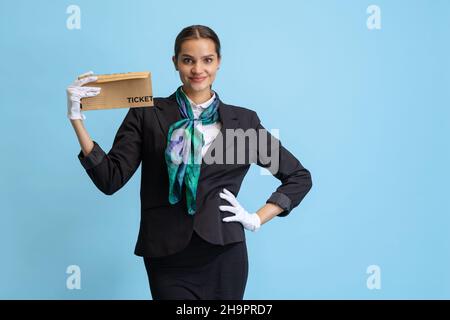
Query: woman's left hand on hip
[250,221]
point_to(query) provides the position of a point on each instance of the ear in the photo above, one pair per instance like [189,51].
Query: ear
[174,62]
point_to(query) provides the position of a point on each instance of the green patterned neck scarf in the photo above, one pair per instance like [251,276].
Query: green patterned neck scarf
[184,149]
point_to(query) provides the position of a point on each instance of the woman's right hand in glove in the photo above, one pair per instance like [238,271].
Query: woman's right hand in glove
[75,92]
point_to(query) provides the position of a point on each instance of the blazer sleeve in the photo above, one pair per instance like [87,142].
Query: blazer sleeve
[111,171]
[295,179]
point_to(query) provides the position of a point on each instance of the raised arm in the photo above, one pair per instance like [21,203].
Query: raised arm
[109,171]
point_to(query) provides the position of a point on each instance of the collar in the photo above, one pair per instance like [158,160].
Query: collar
[203,105]
[168,113]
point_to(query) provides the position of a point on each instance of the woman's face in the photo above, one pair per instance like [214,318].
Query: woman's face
[197,64]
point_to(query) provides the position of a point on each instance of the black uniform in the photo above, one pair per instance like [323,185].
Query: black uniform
[167,229]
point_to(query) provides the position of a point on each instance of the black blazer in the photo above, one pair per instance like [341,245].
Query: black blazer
[164,228]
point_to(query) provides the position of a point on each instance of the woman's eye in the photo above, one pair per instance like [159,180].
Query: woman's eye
[188,60]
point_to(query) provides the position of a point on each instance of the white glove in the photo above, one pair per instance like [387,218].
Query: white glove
[250,221]
[75,92]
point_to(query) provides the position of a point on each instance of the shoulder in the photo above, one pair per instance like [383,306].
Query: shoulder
[243,111]
[246,116]
[158,103]
[161,101]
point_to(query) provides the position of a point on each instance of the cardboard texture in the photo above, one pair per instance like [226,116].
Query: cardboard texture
[120,90]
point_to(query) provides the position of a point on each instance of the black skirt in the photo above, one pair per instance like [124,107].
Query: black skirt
[201,271]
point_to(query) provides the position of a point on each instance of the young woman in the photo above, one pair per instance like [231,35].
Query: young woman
[192,226]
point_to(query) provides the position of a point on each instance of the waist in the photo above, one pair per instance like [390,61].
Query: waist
[197,253]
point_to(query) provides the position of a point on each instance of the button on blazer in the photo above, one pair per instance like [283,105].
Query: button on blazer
[167,228]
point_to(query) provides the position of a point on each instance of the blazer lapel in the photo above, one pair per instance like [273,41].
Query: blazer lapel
[229,122]
[168,113]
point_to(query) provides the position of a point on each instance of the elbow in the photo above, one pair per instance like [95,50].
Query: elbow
[304,180]
[306,184]
[309,181]
[107,190]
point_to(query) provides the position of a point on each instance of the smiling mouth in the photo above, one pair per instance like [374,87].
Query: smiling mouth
[197,79]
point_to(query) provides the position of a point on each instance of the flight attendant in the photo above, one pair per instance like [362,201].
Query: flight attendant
[191,234]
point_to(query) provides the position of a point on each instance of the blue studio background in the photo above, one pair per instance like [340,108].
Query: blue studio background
[365,110]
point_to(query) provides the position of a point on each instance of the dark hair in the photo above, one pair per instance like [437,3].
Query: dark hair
[196,32]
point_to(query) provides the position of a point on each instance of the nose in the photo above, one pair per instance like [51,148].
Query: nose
[196,68]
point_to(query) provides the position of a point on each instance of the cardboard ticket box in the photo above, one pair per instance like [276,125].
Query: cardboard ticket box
[120,90]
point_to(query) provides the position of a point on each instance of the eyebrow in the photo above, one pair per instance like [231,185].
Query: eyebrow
[186,55]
